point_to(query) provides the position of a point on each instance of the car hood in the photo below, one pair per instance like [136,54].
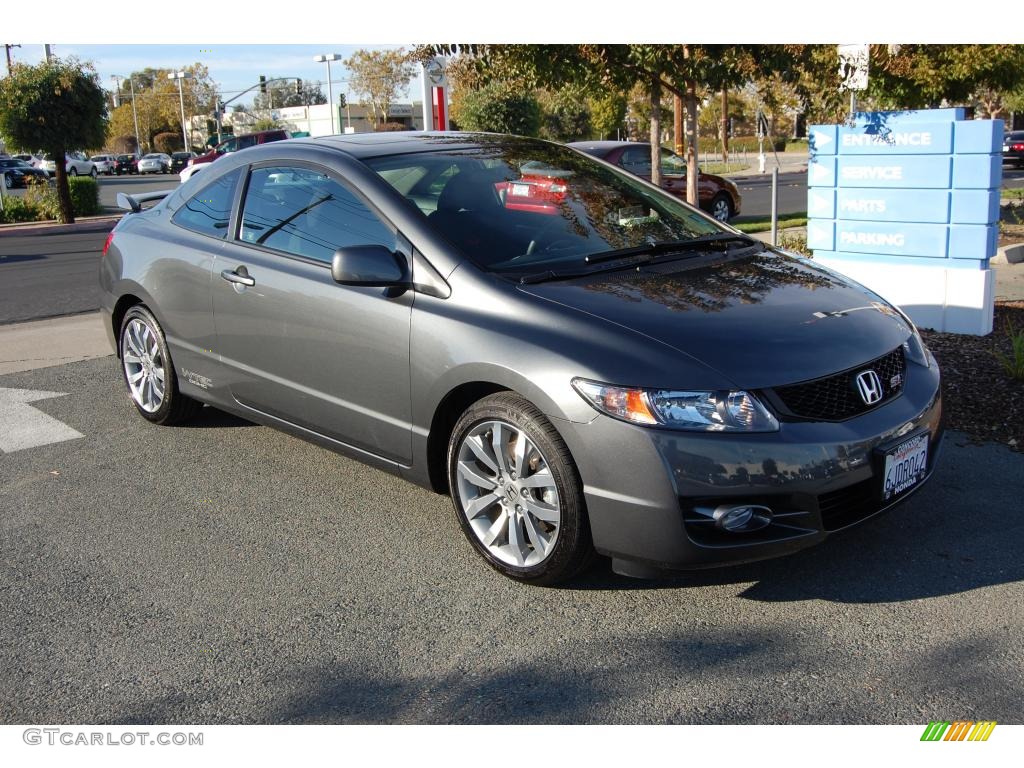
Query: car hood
[760,321]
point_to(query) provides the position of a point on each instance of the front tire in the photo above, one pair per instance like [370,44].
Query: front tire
[73,172]
[516,491]
[93,172]
[149,372]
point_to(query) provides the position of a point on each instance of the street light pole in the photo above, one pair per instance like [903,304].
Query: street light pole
[179,76]
[329,57]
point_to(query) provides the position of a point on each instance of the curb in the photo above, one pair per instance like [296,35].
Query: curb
[82,224]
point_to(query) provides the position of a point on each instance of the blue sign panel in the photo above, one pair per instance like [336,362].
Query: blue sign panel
[914,205]
[821,171]
[977,171]
[973,241]
[914,184]
[908,139]
[821,139]
[977,137]
[974,206]
[902,171]
[893,238]
[821,203]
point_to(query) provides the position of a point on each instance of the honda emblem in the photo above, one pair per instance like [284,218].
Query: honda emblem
[869,386]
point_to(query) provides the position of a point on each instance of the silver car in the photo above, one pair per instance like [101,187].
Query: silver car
[155,162]
[583,362]
[106,164]
[75,164]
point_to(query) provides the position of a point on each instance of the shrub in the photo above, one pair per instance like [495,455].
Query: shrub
[125,145]
[500,108]
[42,198]
[16,210]
[169,142]
[795,243]
[1013,363]
[85,195]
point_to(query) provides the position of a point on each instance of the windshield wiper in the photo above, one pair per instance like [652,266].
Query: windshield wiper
[708,242]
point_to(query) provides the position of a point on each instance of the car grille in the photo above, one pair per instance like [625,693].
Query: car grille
[835,398]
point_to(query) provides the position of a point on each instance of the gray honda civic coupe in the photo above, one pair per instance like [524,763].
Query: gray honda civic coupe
[583,362]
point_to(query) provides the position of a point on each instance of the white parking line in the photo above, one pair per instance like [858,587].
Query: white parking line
[22,426]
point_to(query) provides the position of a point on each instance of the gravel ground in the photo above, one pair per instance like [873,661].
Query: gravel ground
[974,381]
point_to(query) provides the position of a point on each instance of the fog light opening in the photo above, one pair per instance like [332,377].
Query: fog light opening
[742,518]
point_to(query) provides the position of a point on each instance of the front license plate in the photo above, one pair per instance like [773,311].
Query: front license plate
[905,467]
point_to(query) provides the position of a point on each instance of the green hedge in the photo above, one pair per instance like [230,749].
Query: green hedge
[40,201]
[85,195]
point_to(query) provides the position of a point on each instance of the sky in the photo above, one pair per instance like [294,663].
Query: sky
[234,66]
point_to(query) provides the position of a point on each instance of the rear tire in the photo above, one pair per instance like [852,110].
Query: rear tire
[517,493]
[73,172]
[148,370]
[721,207]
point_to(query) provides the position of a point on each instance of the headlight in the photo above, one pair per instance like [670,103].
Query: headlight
[915,349]
[717,411]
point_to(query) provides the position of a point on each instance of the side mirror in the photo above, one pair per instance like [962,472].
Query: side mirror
[369,266]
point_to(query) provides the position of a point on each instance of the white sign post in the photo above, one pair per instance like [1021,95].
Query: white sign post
[853,70]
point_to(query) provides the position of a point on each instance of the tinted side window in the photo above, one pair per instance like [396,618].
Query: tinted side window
[636,160]
[209,210]
[306,213]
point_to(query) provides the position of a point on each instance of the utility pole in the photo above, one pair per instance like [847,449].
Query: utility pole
[179,76]
[49,53]
[8,46]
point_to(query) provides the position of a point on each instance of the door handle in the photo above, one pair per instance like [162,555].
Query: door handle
[240,276]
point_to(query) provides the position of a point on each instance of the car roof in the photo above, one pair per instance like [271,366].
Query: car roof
[606,146]
[364,145]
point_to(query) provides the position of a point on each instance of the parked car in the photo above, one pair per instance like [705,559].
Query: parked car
[716,195]
[35,161]
[126,164]
[18,173]
[180,160]
[75,164]
[105,164]
[1013,148]
[612,371]
[233,144]
[155,162]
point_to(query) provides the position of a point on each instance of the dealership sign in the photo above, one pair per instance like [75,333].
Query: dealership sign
[908,204]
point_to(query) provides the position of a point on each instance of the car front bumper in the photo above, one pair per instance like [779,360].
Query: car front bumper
[645,487]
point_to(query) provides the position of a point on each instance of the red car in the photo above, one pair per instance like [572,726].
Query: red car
[233,145]
[718,196]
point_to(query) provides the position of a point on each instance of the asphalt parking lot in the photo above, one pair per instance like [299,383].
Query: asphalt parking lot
[226,573]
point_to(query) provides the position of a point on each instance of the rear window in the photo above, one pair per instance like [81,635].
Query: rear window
[208,211]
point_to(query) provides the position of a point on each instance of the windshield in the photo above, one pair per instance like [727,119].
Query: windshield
[516,205]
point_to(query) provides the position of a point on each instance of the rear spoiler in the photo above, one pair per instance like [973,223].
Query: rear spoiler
[134,203]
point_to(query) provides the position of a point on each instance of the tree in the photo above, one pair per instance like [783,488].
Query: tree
[285,92]
[156,102]
[499,108]
[377,77]
[607,113]
[56,106]
[565,115]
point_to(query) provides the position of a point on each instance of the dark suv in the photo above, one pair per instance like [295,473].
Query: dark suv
[180,159]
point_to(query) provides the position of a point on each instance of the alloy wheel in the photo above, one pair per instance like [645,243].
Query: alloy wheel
[507,493]
[720,209]
[143,365]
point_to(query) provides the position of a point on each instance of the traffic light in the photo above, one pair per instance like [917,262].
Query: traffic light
[263,84]
[341,101]
[298,86]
